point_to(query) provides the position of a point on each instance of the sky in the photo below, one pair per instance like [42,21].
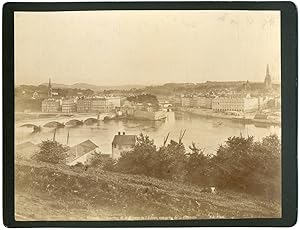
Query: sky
[146,47]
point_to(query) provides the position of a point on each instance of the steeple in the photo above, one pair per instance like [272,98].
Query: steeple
[267,72]
[268,80]
[49,88]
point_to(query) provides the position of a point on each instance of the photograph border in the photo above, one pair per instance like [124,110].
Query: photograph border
[289,70]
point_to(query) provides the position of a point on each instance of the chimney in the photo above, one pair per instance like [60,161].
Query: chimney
[123,133]
[119,133]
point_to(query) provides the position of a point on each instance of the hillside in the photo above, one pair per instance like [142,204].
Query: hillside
[94,87]
[52,192]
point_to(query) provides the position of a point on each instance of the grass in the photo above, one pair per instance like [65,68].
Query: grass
[53,192]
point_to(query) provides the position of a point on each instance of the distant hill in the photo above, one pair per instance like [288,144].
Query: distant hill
[94,87]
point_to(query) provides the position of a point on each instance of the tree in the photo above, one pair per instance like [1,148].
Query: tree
[137,160]
[197,167]
[102,161]
[248,165]
[52,152]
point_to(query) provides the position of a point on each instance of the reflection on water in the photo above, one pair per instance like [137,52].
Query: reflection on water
[203,131]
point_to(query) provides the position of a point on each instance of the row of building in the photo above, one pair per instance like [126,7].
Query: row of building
[228,103]
[81,105]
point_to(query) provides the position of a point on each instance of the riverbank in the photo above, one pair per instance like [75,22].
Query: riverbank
[247,118]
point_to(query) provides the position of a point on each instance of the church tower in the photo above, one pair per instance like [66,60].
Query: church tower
[268,80]
[49,88]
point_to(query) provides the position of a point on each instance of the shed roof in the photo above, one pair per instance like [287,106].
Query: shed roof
[124,140]
[79,150]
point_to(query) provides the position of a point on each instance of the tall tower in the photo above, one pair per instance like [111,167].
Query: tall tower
[49,88]
[268,80]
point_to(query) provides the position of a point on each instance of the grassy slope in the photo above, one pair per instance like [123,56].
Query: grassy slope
[49,192]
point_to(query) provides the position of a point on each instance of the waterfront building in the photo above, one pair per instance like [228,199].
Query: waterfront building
[202,102]
[122,143]
[50,105]
[186,101]
[240,104]
[81,153]
[113,102]
[84,105]
[268,80]
[177,100]
[98,105]
[68,106]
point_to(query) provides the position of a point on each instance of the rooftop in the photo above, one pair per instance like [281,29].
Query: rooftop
[81,149]
[124,139]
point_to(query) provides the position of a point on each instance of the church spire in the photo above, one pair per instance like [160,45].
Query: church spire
[268,80]
[268,72]
[49,88]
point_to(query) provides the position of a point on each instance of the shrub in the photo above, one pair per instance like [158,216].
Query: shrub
[51,152]
[250,166]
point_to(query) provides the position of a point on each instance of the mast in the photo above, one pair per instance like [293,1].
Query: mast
[68,136]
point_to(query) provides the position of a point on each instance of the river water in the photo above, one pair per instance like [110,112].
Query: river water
[207,133]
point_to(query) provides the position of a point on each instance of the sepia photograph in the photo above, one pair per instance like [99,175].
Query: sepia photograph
[125,115]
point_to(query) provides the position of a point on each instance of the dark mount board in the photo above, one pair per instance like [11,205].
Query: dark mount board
[289,70]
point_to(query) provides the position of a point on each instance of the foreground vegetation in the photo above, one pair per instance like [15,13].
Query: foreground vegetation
[150,182]
[56,192]
[240,164]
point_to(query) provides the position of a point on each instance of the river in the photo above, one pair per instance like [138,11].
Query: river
[207,133]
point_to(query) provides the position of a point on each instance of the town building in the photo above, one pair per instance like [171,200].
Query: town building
[122,143]
[81,153]
[98,105]
[35,95]
[114,102]
[50,105]
[68,106]
[268,80]
[84,105]
[186,101]
[202,102]
[240,104]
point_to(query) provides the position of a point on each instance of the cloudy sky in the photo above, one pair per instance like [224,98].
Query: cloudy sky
[146,47]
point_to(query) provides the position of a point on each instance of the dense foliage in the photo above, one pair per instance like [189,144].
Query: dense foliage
[241,164]
[51,152]
[144,98]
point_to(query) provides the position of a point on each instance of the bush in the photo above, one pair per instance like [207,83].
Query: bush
[240,164]
[198,167]
[102,161]
[250,166]
[138,160]
[51,152]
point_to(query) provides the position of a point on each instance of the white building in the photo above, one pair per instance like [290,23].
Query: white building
[81,153]
[113,102]
[241,104]
[68,106]
[50,105]
[122,143]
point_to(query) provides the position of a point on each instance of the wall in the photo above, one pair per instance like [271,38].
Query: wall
[85,159]
[250,104]
[150,115]
[117,150]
